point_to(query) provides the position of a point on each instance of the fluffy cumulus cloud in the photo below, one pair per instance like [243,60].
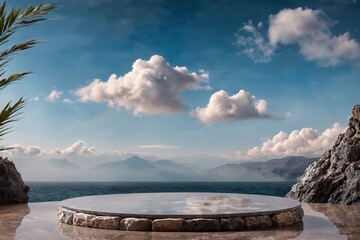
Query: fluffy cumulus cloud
[54,95]
[18,149]
[307,28]
[78,148]
[151,87]
[305,142]
[222,107]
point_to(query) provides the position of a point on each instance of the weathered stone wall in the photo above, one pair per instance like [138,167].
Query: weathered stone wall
[12,187]
[335,177]
[180,224]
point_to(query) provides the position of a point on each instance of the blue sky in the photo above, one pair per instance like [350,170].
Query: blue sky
[302,60]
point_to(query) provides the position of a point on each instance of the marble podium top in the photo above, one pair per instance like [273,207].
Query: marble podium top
[186,205]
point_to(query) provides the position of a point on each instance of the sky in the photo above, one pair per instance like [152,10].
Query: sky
[243,80]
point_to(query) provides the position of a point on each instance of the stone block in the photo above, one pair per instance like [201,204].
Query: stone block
[136,224]
[168,225]
[201,225]
[105,222]
[232,224]
[65,216]
[298,214]
[258,222]
[82,219]
[283,219]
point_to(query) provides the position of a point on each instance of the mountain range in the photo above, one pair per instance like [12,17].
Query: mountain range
[136,168]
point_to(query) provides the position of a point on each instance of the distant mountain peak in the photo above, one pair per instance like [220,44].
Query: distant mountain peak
[134,158]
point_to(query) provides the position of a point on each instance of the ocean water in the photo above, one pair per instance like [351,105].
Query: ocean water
[57,191]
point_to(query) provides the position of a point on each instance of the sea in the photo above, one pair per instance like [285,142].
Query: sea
[58,191]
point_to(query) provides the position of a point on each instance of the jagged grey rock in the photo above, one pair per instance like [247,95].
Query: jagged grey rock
[335,177]
[12,187]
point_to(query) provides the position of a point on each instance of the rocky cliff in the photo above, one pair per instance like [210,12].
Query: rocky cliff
[335,177]
[12,187]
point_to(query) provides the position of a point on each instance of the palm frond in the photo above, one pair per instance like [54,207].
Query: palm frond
[5,54]
[15,77]
[10,114]
[9,23]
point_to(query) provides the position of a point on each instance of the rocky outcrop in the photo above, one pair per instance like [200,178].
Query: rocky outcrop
[335,177]
[12,187]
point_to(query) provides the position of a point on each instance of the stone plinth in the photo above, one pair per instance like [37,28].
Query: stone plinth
[175,212]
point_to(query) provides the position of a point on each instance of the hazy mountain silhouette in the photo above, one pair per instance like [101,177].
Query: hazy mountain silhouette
[139,169]
[136,168]
[288,168]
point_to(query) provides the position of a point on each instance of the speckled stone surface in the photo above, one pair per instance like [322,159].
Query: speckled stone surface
[195,212]
[180,205]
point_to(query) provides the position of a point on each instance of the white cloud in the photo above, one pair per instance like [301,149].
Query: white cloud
[18,149]
[204,75]
[151,87]
[307,28]
[255,45]
[222,107]
[54,95]
[158,146]
[67,101]
[305,142]
[78,148]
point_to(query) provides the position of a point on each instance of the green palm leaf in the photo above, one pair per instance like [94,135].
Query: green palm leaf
[9,23]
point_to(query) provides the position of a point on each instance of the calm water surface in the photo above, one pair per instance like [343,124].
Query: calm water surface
[57,191]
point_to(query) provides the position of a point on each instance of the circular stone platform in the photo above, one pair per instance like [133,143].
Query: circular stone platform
[180,211]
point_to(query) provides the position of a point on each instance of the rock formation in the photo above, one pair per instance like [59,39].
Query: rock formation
[12,187]
[335,177]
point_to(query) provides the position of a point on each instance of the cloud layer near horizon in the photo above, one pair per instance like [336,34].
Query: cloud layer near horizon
[77,148]
[304,142]
[158,146]
[222,108]
[307,28]
[151,87]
